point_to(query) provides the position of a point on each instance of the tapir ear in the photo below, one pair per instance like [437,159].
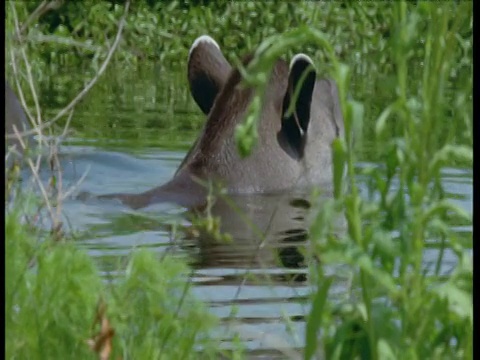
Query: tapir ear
[207,71]
[296,103]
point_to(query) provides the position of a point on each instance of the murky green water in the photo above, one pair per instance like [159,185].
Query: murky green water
[130,134]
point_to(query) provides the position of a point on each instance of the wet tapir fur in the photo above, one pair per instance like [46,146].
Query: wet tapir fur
[293,150]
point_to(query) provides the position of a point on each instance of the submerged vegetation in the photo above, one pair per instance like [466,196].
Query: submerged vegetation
[417,109]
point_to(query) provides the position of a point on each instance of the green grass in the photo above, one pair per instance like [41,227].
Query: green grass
[53,289]
[402,312]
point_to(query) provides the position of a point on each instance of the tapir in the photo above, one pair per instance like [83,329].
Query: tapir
[293,148]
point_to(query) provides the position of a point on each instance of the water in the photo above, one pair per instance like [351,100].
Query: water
[133,141]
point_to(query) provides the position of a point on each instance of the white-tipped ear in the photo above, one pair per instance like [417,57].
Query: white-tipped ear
[296,105]
[300,57]
[202,39]
[207,71]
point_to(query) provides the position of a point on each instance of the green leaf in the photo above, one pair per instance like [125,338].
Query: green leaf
[450,153]
[445,206]
[356,110]
[382,119]
[460,301]
[339,161]
[315,318]
[385,352]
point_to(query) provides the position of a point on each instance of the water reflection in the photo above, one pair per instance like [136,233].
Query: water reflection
[266,231]
[257,282]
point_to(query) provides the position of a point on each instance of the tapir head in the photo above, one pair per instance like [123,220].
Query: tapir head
[294,147]
[294,136]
